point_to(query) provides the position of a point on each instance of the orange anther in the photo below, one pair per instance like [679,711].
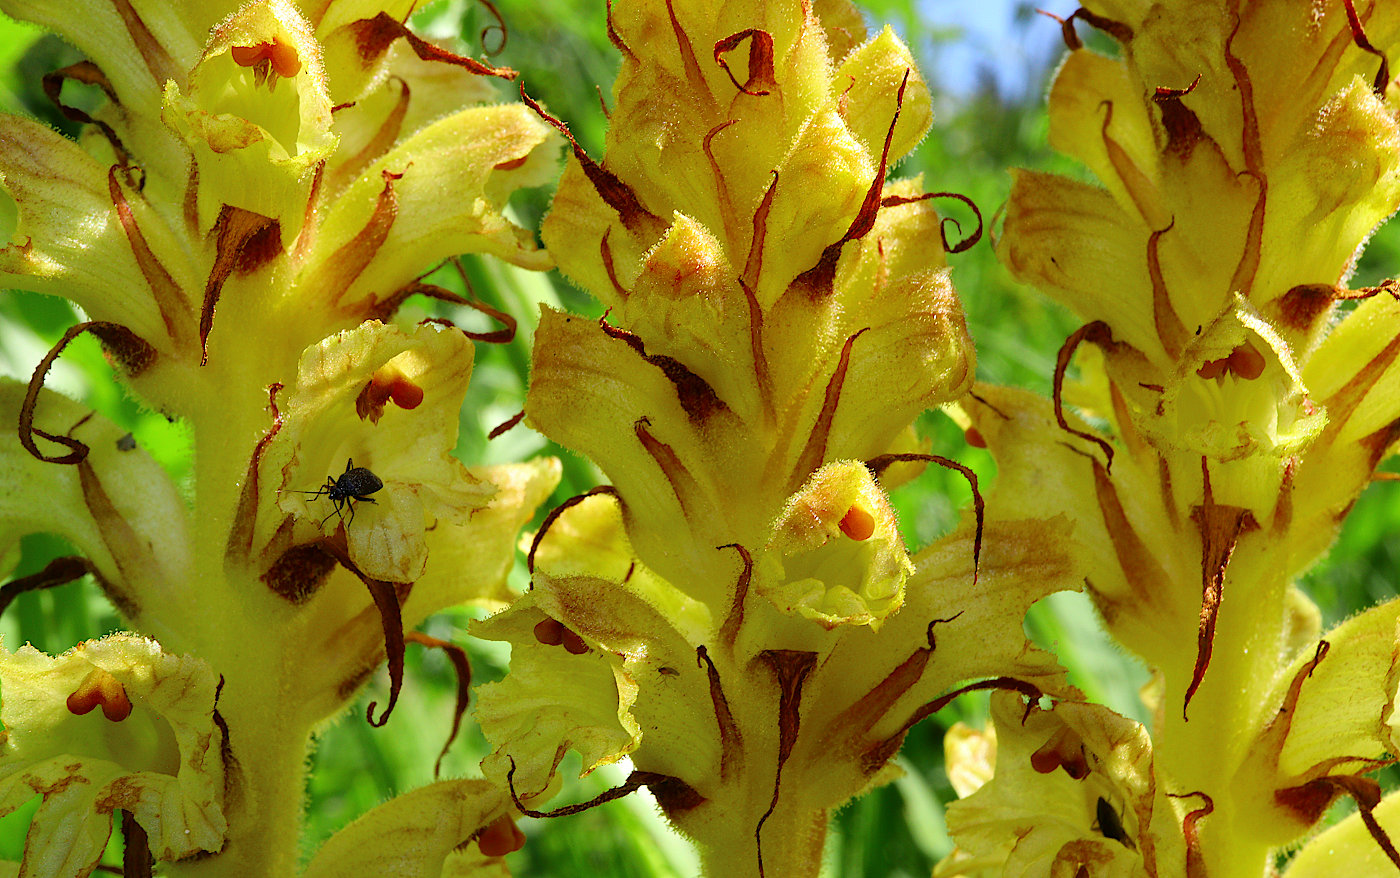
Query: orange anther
[858,523]
[573,643]
[975,438]
[281,58]
[1213,368]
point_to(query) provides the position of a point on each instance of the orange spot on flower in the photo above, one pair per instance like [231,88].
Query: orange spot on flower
[974,437]
[858,523]
[501,837]
[100,688]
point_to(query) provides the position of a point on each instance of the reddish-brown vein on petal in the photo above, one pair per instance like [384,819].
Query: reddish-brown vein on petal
[346,264]
[374,35]
[791,667]
[726,205]
[170,299]
[125,347]
[1221,528]
[682,482]
[244,241]
[1282,519]
[761,74]
[240,538]
[1098,333]
[877,466]
[731,741]
[310,218]
[814,452]
[1243,277]
[700,100]
[819,281]
[558,511]
[695,394]
[1358,36]
[615,193]
[384,138]
[57,572]
[156,58]
[462,665]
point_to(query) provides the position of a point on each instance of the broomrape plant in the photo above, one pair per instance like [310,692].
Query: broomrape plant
[735,613]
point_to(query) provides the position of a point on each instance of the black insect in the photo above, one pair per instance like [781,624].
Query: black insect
[1110,824]
[356,483]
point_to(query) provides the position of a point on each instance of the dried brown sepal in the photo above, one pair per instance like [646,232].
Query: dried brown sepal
[351,259]
[499,27]
[387,601]
[1168,323]
[731,740]
[635,781]
[614,37]
[170,298]
[130,351]
[87,73]
[1313,798]
[877,465]
[761,74]
[59,571]
[819,281]
[728,214]
[695,394]
[240,537]
[244,241]
[874,705]
[137,861]
[963,245]
[729,631]
[462,665]
[386,308]
[1221,528]
[1031,692]
[507,425]
[1116,29]
[814,452]
[1195,860]
[791,668]
[1096,332]
[615,193]
[558,511]
[374,35]
[1300,307]
[1358,36]
[1253,148]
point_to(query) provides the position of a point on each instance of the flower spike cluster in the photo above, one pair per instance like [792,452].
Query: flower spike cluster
[244,214]
[737,613]
[1237,403]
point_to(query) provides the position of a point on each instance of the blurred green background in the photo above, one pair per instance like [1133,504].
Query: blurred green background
[988,95]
